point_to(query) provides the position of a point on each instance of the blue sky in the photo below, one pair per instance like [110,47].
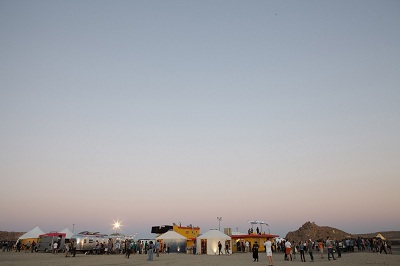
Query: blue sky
[182,111]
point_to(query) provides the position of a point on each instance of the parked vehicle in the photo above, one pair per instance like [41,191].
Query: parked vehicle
[46,241]
[95,242]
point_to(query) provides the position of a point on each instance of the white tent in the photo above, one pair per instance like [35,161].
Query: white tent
[32,235]
[171,235]
[209,241]
[174,241]
[67,232]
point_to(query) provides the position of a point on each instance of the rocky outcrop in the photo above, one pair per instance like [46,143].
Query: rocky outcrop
[310,230]
[10,236]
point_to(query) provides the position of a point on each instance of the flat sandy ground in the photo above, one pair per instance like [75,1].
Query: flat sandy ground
[356,258]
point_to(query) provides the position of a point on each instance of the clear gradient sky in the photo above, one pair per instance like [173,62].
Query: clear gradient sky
[154,112]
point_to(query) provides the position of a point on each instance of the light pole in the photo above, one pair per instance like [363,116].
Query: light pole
[117,225]
[219,223]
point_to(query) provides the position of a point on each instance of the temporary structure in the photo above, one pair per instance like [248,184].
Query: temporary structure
[31,235]
[174,241]
[67,232]
[207,243]
[379,235]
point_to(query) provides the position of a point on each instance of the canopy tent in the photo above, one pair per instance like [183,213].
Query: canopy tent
[31,235]
[67,232]
[379,235]
[171,235]
[174,241]
[207,243]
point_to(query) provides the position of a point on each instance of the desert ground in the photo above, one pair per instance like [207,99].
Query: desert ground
[356,258]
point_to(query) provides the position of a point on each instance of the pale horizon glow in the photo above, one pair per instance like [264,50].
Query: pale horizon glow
[158,112]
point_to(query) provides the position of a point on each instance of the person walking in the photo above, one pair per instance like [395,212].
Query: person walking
[226,248]
[268,249]
[389,246]
[219,248]
[382,247]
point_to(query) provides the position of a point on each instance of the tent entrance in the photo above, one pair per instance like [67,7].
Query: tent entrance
[204,246]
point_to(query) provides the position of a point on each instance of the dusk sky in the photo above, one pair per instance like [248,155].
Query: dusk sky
[155,112]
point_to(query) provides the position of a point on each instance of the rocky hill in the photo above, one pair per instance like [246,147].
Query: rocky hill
[10,236]
[310,230]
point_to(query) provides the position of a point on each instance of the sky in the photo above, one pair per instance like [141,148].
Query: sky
[159,112]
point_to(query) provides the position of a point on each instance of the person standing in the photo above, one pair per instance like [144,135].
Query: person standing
[117,247]
[310,249]
[73,248]
[19,246]
[337,247]
[158,248]
[109,246]
[219,248]
[329,244]
[27,247]
[127,249]
[55,248]
[150,251]
[268,249]
[288,250]
[255,251]
[301,248]
[321,248]
[294,249]
[67,249]
[33,246]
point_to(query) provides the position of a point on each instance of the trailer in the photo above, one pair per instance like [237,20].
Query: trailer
[46,242]
[97,243]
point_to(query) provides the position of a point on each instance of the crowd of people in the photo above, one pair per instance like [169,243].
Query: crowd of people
[8,246]
[331,247]
[290,249]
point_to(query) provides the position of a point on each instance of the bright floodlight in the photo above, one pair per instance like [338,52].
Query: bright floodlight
[117,225]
